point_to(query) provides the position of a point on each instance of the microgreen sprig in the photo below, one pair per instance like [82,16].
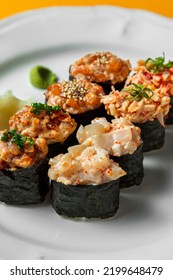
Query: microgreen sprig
[138,92]
[16,138]
[158,64]
[37,108]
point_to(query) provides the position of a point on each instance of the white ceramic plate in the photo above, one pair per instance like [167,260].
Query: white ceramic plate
[55,37]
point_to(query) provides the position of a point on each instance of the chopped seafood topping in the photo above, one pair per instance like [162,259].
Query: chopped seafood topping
[118,138]
[101,67]
[162,79]
[84,165]
[12,156]
[122,104]
[75,97]
[54,125]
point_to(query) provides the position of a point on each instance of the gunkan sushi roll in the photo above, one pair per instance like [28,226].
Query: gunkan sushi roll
[122,140]
[23,169]
[80,98]
[103,68]
[169,117]
[48,122]
[144,106]
[85,183]
[157,72]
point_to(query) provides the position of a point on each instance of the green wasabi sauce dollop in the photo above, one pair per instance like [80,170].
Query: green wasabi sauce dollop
[41,77]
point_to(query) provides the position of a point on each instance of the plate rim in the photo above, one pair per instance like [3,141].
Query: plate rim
[22,16]
[45,10]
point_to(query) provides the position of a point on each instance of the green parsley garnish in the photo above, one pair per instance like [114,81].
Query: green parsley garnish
[16,138]
[4,137]
[158,64]
[138,92]
[37,108]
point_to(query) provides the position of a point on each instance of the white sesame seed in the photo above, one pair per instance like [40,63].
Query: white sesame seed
[74,89]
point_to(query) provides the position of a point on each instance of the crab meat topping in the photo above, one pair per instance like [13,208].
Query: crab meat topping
[122,104]
[162,80]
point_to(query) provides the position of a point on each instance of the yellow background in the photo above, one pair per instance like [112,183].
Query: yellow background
[162,7]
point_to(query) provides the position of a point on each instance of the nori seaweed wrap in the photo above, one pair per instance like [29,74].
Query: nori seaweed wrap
[25,185]
[48,122]
[122,140]
[85,183]
[23,169]
[133,165]
[169,117]
[103,68]
[107,86]
[144,106]
[152,134]
[80,98]
[89,201]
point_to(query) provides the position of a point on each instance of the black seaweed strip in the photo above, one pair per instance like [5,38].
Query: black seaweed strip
[90,201]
